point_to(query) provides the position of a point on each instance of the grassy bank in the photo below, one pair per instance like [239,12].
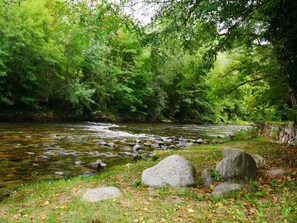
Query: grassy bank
[263,200]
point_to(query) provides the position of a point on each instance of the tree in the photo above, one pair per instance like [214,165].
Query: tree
[282,32]
[222,25]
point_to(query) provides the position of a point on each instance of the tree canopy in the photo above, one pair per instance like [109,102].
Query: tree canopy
[201,61]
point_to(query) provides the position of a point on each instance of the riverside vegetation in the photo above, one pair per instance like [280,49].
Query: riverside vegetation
[264,199]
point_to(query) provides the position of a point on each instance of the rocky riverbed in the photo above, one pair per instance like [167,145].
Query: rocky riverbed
[30,152]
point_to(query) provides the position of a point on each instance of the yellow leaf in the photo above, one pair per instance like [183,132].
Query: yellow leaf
[191,210]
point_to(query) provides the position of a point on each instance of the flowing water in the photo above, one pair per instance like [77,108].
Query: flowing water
[43,151]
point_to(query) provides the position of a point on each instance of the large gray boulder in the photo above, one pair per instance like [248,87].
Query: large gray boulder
[260,162]
[225,188]
[239,165]
[102,193]
[231,151]
[173,171]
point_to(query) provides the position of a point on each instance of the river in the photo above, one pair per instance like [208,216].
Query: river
[42,151]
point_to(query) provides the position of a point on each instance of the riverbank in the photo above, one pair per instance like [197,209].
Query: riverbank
[60,116]
[53,116]
[264,200]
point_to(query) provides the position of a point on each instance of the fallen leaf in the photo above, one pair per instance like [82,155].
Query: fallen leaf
[190,210]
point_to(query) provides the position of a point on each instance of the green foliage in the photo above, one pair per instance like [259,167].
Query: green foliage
[263,32]
[88,57]
[215,175]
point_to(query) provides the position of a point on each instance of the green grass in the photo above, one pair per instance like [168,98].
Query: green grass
[263,200]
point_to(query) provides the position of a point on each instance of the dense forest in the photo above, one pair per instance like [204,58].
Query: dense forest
[200,61]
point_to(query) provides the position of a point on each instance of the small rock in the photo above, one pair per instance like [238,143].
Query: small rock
[59,173]
[108,154]
[76,153]
[277,172]
[172,147]
[95,165]
[62,153]
[94,153]
[50,153]
[207,179]
[79,162]
[42,157]
[127,154]
[35,164]
[155,146]
[111,144]
[136,148]
[102,143]
[199,141]
[180,145]
[101,163]
[225,187]
[87,174]
[30,153]
[103,193]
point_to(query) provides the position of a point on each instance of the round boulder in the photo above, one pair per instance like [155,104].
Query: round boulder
[173,171]
[231,151]
[102,193]
[239,165]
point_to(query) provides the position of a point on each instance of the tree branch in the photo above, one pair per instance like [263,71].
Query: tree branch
[247,82]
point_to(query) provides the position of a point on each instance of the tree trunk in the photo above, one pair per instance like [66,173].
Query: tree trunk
[294,104]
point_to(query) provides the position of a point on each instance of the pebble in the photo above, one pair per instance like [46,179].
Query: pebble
[42,157]
[59,173]
[79,162]
[87,174]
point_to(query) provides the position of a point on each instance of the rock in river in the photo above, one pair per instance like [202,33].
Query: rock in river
[96,165]
[87,174]
[59,173]
[42,157]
